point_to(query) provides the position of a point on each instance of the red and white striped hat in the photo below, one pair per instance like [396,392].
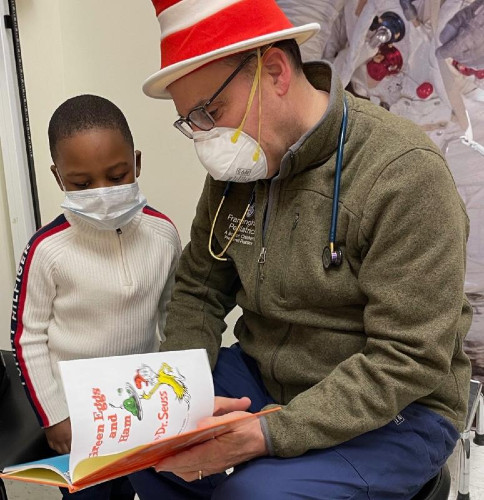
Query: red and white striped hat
[196,32]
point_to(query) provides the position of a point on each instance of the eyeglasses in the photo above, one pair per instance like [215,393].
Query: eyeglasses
[199,116]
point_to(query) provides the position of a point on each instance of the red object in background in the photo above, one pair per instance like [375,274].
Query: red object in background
[425,90]
[388,61]
[377,71]
[466,71]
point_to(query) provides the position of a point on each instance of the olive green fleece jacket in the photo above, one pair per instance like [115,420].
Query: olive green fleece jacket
[341,350]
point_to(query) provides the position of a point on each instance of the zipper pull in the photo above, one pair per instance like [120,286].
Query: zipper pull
[261,261]
[296,220]
[119,231]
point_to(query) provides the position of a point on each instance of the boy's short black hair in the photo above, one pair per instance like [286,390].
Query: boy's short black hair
[86,112]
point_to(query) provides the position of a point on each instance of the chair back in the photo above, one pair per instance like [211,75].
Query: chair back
[474,393]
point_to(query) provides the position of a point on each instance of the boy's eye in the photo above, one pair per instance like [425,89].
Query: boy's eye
[83,185]
[117,178]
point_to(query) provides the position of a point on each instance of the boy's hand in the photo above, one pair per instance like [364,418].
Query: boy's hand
[59,436]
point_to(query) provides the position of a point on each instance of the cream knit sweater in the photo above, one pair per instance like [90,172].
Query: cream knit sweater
[81,293]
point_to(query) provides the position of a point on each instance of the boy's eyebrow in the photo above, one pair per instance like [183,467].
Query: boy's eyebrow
[119,164]
[75,174]
[81,174]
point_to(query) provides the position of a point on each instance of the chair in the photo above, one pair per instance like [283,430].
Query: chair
[475,410]
[437,488]
[21,437]
[479,434]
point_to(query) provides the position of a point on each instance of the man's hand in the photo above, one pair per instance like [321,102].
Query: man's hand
[463,36]
[59,436]
[224,451]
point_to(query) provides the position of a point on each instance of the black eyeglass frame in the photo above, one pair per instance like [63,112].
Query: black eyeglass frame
[178,124]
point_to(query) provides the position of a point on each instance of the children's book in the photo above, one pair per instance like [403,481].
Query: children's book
[127,413]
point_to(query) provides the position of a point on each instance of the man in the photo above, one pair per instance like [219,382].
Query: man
[360,343]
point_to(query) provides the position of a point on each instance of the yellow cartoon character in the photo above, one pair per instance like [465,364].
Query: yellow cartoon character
[166,375]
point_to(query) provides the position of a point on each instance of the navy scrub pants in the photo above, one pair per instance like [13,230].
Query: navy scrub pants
[392,462]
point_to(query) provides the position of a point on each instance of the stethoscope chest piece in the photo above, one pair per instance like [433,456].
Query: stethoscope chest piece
[332,258]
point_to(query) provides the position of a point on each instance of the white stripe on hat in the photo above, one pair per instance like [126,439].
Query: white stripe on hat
[186,13]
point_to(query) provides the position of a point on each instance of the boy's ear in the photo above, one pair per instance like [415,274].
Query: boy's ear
[137,154]
[55,173]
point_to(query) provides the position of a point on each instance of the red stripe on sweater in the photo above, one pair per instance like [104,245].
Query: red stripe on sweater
[155,213]
[19,330]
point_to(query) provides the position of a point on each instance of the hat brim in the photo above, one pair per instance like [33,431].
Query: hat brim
[155,85]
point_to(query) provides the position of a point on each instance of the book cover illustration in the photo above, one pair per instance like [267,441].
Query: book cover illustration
[122,402]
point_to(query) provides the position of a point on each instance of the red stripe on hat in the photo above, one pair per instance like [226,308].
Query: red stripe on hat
[20,325]
[238,22]
[161,5]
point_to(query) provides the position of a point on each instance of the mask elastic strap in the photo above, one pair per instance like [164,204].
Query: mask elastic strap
[60,179]
[257,151]
[135,169]
[255,83]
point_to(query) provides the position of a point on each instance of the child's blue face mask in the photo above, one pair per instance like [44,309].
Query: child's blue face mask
[107,207]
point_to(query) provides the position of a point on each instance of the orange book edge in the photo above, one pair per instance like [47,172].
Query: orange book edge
[95,470]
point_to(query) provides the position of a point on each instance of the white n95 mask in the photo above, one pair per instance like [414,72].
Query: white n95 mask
[226,160]
[107,207]
[230,154]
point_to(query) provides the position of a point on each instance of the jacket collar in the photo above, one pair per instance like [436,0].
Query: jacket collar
[321,141]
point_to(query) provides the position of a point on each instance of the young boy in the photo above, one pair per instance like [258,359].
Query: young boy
[95,281]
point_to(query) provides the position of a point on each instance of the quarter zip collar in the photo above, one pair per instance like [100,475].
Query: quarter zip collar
[90,231]
[321,141]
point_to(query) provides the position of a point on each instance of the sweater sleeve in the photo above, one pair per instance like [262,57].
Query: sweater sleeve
[413,241]
[34,294]
[204,292]
[169,284]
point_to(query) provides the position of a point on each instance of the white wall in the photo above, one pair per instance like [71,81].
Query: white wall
[107,48]
[7,264]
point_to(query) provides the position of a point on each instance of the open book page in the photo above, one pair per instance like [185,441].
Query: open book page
[53,471]
[119,403]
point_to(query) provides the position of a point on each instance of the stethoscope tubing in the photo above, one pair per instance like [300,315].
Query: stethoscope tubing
[337,173]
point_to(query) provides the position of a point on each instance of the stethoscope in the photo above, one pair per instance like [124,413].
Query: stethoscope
[332,254]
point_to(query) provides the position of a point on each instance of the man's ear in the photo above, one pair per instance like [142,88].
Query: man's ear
[55,173]
[137,155]
[277,65]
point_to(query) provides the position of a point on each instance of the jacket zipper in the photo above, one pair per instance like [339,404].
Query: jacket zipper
[273,363]
[126,274]
[263,254]
[286,267]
